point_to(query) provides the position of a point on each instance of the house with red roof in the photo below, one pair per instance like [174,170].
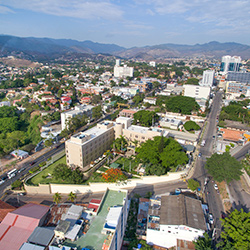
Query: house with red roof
[5,208]
[19,224]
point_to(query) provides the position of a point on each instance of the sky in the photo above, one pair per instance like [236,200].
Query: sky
[129,23]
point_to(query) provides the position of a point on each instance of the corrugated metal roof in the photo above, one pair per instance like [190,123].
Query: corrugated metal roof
[41,236]
[32,210]
[28,246]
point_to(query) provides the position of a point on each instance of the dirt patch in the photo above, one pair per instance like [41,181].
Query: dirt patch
[223,190]
[227,206]
[12,61]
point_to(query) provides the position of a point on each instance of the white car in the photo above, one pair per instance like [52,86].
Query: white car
[216,187]
[1,182]
[211,219]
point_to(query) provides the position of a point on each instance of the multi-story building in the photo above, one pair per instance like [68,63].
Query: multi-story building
[208,78]
[107,228]
[141,134]
[122,71]
[235,89]
[174,218]
[242,77]
[229,63]
[79,110]
[84,147]
[196,91]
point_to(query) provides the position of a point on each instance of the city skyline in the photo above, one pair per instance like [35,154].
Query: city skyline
[128,23]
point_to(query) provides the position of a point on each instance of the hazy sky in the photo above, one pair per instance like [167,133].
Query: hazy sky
[129,22]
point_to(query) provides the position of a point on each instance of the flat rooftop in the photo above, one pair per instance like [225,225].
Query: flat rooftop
[138,129]
[94,239]
[90,134]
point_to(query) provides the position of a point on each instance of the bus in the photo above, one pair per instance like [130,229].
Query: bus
[12,173]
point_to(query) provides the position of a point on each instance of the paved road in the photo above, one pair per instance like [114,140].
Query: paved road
[241,154]
[210,195]
[157,189]
[27,166]
[238,196]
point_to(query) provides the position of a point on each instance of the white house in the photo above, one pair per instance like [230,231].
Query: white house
[178,217]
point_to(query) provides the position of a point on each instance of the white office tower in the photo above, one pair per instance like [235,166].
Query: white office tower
[124,71]
[208,78]
[117,62]
[229,63]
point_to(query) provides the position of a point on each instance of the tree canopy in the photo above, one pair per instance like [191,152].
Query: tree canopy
[63,172]
[191,125]
[178,104]
[193,81]
[224,167]
[236,231]
[236,111]
[145,118]
[193,184]
[161,155]
[203,242]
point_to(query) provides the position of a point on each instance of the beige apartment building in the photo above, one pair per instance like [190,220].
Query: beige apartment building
[84,147]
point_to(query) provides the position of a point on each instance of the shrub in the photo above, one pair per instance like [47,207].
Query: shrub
[42,164]
[35,169]
[16,184]
[113,175]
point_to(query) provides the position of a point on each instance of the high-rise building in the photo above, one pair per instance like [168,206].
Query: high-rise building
[122,71]
[208,78]
[229,63]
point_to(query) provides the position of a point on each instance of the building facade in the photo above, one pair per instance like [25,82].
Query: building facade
[175,217]
[79,110]
[230,63]
[208,78]
[196,91]
[85,147]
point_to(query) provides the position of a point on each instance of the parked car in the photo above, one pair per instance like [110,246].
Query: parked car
[199,155]
[215,186]
[210,218]
[2,181]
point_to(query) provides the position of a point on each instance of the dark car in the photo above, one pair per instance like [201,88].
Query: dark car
[32,163]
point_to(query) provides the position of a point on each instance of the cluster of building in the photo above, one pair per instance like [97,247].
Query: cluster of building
[98,225]
[85,147]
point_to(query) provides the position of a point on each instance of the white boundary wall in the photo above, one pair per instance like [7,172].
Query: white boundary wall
[100,187]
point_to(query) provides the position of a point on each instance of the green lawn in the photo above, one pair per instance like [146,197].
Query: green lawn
[126,164]
[95,177]
[49,170]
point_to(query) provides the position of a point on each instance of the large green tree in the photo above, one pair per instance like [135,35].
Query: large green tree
[203,243]
[145,117]
[191,125]
[224,167]
[236,231]
[97,112]
[193,184]
[161,154]
[182,104]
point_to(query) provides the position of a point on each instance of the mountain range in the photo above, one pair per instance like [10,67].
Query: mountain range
[42,48]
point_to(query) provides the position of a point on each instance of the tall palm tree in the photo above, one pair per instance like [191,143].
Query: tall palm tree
[57,198]
[72,197]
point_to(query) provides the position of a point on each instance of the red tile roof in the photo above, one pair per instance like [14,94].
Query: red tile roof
[5,208]
[95,201]
[18,225]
